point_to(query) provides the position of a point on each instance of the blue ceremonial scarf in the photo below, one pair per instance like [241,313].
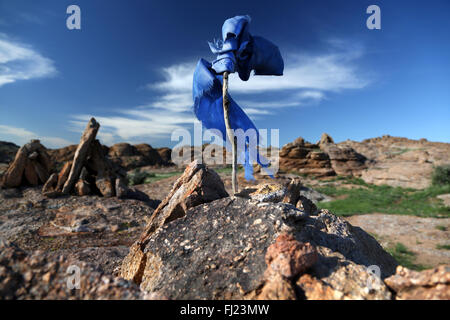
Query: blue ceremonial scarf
[240,52]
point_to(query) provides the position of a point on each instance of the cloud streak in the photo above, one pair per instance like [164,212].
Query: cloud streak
[21,62]
[22,136]
[308,79]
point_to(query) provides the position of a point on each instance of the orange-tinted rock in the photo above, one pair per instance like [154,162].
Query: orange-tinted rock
[81,154]
[305,158]
[432,284]
[50,184]
[277,288]
[314,289]
[288,257]
[82,188]
[197,185]
[30,174]
[63,174]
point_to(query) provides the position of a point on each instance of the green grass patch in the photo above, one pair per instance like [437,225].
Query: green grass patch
[441,228]
[405,257]
[143,177]
[227,170]
[384,199]
[443,247]
[399,151]
[441,176]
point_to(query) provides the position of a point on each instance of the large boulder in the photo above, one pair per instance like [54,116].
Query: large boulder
[62,155]
[344,160]
[197,185]
[89,172]
[433,284]
[400,162]
[252,246]
[325,139]
[322,159]
[305,158]
[135,156]
[31,166]
[165,154]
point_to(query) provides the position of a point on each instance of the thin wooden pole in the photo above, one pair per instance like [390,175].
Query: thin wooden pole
[230,134]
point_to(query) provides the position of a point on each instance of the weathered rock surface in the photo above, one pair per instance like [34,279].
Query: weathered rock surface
[325,139]
[400,162]
[90,171]
[218,250]
[81,154]
[140,155]
[31,166]
[197,185]
[344,160]
[93,229]
[322,159]
[41,276]
[425,285]
[305,158]
[62,155]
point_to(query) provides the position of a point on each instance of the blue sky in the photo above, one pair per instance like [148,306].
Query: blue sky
[131,67]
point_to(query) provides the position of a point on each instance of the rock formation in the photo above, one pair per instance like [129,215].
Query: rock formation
[219,247]
[322,159]
[121,154]
[197,185]
[400,162]
[344,160]
[134,156]
[31,166]
[433,284]
[305,158]
[89,172]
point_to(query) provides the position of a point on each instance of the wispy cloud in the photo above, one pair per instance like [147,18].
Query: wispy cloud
[308,79]
[21,62]
[21,136]
[139,124]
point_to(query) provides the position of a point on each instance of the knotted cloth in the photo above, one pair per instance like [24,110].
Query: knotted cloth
[240,52]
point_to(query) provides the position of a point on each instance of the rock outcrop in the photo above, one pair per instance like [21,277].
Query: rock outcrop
[344,160]
[218,251]
[90,171]
[134,156]
[239,248]
[121,154]
[305,158]
[197,185]
[31,166]
[322,159]
[433,284]
[400,162]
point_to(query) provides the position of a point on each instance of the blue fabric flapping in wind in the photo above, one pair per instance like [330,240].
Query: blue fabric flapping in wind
[240,52]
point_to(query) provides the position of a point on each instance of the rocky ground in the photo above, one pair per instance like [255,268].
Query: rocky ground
[184,237]
[425,237]
[90,228]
